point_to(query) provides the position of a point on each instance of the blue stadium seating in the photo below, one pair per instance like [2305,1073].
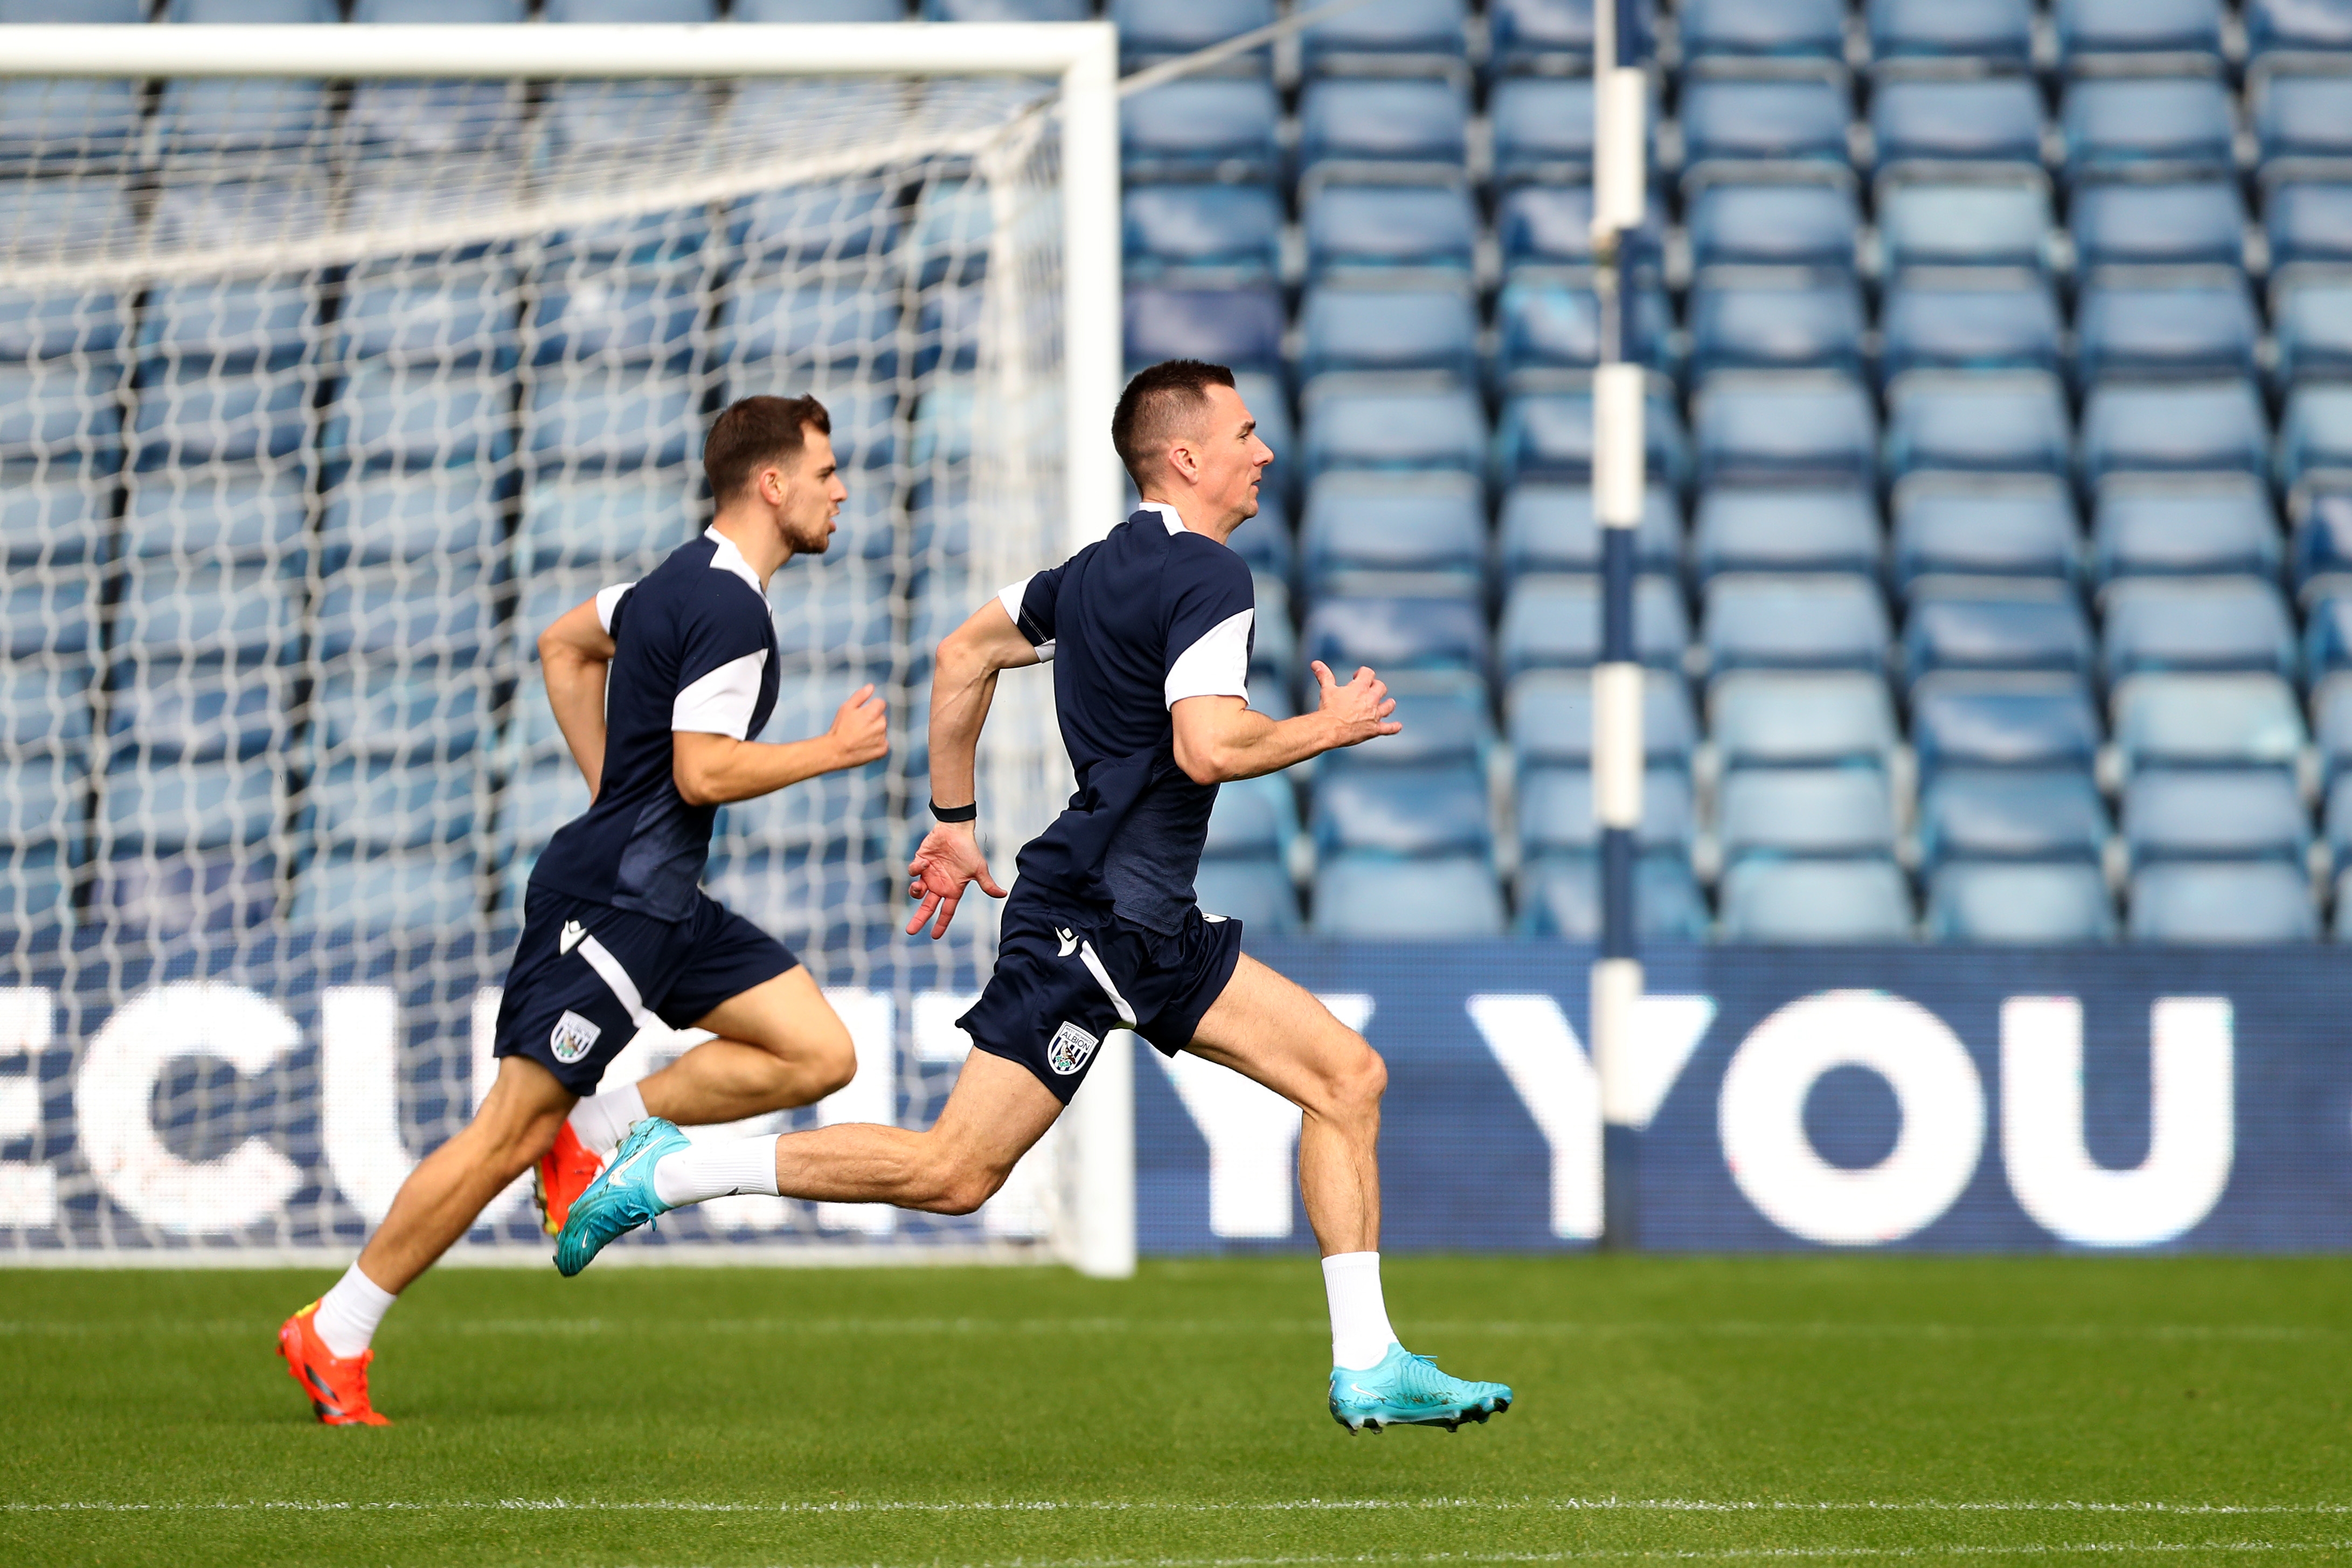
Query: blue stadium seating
[2202,323]
[1981,119]
[642,315]
[2090,28]
[400,615]
[1220,127]
[376,519]
[1547,437]
[170,611]
[817,11]
[2189,902]
[2315,431]
[606,416]
[1560,896]
[2273,24]
[43,797]
[1154,29]
[1843,901]
[1996,216]
[1770,621]
[439,10]
[1377,422]
[1774,718]
[2002,525]
[256,516]
[2211,425]
[1550,718]
[1550,622]
[1438,631]
[1556,815]
[1961,719]
[1773,426]
[852,329]
[1978,319]
[1007,11]
[1807,223]
[1537,35]
[2301,116]
[1775,318]
[1379,896]
[1258,893]
[2039,904]
[1799,811]
[2308,220]
[424,711]
[2146,524]
[2327,631]
[1542,128]
[537,801]
[2204,814]
[2113,124]
[1546,321]
[383,804]
[2010,422]
[1424,811]
[1550,527]
[49,612]
[1253,819]
[1999,30]
[56,522]
[1551,225]
[409,891]
[110,11]
[191,414]
[59,412]
[2011,813]
[2322,547]
[638,517]
[1992,624]
[66,122]
[630,10]
[456,317]
[1784,529]
[1411,120]
[189,806]
[1359,522]
[1745,118]
[1436,30]
[2207,721]
[200,712]
[1369,325]
[220,892]
[235,325]
[1388,225]
[51,324]
[2179,222]
[2312,316]
[1814,28]
[391,415]
[799,225]
[440,117]
[244,115]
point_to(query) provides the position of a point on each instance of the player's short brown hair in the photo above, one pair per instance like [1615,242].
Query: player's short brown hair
[1157,406]
[755,433]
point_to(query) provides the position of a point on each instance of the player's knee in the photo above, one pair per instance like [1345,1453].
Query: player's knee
[516,1147]
[958,1186]
[1362,1077]
[833,1063]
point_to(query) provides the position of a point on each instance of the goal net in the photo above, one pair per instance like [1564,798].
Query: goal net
[328,379]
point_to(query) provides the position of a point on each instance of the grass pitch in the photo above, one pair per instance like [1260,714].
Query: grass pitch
[1834,1409]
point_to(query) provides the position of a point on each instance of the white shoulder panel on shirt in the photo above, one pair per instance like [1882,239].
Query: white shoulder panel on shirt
[1217,665]
[1010,597]
[727,558]
[607,601]
[720,703]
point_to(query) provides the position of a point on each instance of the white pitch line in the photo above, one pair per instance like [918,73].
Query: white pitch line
[1333,1505]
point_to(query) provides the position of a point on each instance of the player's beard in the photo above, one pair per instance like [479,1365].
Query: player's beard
[810,539]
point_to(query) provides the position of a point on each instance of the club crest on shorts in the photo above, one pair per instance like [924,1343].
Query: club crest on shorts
[574,1037]
[1069,1049]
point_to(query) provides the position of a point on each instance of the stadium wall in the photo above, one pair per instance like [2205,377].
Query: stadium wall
[235,1098]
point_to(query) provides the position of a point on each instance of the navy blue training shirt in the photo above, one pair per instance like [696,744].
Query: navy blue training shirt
[694,649]
[1134,624]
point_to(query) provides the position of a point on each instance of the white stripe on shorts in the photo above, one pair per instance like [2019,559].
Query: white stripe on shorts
[599,959]
[1102,978]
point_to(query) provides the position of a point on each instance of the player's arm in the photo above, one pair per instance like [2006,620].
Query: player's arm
[1220,738]
[573,656]
[714,769]
[963,685]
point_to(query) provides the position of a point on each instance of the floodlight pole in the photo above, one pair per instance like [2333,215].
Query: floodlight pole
[1620,92]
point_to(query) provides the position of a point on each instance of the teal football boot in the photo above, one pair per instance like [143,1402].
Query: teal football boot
[619,1200]
[1407,1390]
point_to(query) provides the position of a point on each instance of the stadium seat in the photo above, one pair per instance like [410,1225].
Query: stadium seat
[1551,622]
[2197,222]
[1990,624]
[219,115]
[817,11]
[1542,129]
[1437,632]
[202,612]
[1560,896]
[1545,321]
[2204,814]
[87,11]
[2043,905]
[2116,124]
[1763,718]
[2093,28]
[383,804]
[1550,718]
[405,891]
[388,414]
[224,516]
[2209,425]
[55,324]
[1856,900]
[2200,324]
[611,416]
[234,325]
[424,711]
[1392,423]
[1996,525]
[220,892]
[406,616]
[1967,718]
[192,414]
[799,225]
[2312,316]
[439,10]
[66,122]
[1376,895]
[535,802]
[2327,630]
[1547,437]
[1258,893]
[1359,522]
[1388,225]
[2308,220]
[2207,721]
[1007,11]
[373,520]
[1983,421]
[2146,525]
[1437,31]
[1789,622]
[2321,548]
[1807,223]
[632,518]
[440,117]
[462,315]
[2275,25]
[1797,811]
[1773,426]
[1153,30]
[2301,115]
[1556,813]
[1775,318]
[1541,36]
[1814,28]
[1550,527]
[672,11]
[1973,319]
[1390,120]
[60,520]
[650,314]
[1996,216]
[2011,813]
[43,798]
[1253,819]
[1551,225]
[200,711]
[843,617]
[1737,118]
[1201,128]
[168,809]
[1993,30]
[37,883]
[2315,431]
[1360,324]
[1424,811]
[52,612]
[2189,902]
[60,413]
[1236,229]
[1944,119]
[1784,529]
[852,330]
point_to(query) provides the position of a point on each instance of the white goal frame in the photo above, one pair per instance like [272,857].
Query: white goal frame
[1083,57]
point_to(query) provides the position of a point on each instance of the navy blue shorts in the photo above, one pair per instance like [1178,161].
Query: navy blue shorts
[1063,980]
[586,977]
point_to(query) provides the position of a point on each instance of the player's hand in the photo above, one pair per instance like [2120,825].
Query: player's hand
[861,728]
[1358,710]
[949,861]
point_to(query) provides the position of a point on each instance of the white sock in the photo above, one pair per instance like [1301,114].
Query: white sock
[601,1120]
[1360,1334]
[348,1315]
[719,1169]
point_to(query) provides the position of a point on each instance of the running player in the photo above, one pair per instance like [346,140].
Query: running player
[1150,632]
[658,687]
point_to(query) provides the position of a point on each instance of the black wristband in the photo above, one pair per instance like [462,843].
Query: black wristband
[956,813]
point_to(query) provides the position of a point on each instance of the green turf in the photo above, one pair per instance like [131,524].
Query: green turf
[1837,1408]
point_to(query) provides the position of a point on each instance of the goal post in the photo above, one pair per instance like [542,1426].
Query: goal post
[329,386]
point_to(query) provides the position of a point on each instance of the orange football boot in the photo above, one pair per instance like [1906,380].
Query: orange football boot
[337,1385]
[561,1174]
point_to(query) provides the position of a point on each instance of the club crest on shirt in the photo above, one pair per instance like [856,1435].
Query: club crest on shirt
[1069,1049]
[573,1037]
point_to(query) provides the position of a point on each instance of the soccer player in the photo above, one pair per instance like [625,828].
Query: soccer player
[659,687]
[1150,632]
